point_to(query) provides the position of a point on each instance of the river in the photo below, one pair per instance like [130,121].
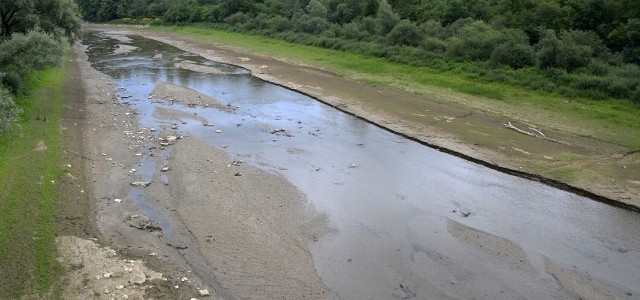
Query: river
[407,220]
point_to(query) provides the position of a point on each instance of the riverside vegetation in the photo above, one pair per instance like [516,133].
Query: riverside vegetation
[34,37]
[569,48]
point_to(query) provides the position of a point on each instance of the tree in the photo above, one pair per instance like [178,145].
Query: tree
[316,9]
[16,15]
[386,18]
[52,16]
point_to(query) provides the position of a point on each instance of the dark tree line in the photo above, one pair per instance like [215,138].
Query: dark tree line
[582,47]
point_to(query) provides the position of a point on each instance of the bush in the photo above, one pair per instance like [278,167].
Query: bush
[516,56]
[12,81]
[34,50]
[405,33]
[9,112]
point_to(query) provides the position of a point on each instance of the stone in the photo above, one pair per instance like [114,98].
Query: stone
[138,278]
[165,168]
[140,184]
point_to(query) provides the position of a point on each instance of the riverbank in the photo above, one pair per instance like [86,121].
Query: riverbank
[578,151]
[30,171]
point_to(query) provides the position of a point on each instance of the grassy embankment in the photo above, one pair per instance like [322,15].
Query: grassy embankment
[613,121]
[29,174]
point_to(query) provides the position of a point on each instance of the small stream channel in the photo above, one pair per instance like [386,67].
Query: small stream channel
[409,220]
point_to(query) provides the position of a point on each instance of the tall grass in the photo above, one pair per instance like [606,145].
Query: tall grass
[28,180]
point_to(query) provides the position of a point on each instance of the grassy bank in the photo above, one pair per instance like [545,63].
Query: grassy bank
[610,120]
[29,171]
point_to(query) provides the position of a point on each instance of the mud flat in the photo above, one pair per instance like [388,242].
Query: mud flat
[253,227]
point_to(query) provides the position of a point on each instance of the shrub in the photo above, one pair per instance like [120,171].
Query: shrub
[516,56]
[9,112]
[237,19]
[33,50]
[405,33]
[279,23]
[12,80]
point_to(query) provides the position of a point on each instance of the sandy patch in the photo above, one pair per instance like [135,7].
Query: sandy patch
[252,226]
[41,146]
[186,96]
[189,65]
[177,115]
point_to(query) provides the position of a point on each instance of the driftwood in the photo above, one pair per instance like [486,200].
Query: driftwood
[534,133]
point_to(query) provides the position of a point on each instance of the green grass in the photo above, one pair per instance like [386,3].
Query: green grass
[28,181]
[610,120]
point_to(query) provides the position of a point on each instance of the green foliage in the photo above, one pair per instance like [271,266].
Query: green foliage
[57,17]
[9,112]
[27,219]
[405,33]
[513,55]
[386,18]
[34,50]
[12,80]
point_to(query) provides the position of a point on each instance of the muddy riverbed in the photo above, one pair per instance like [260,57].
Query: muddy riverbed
[262,191]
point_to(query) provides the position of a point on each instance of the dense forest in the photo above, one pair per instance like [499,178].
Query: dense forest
[575,48]
[33,35]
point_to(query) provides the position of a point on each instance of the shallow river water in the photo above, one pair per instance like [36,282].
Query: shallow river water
[410,222]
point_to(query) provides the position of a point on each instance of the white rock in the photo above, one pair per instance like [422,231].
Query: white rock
[119,287]
[118,200]
[218,131]
[164,169]
[204,292]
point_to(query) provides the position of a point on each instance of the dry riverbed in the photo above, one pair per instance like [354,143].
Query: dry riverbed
[204,238]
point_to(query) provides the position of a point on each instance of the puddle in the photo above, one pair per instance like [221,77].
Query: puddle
[391,200]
